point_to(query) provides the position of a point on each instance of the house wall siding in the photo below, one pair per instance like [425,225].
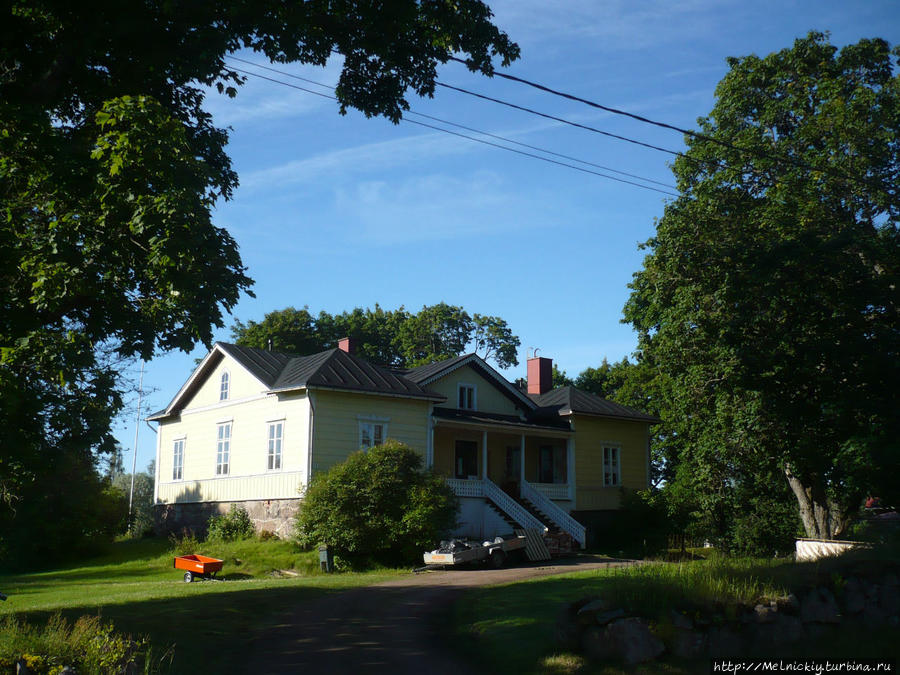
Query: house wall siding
[487,398]
[248,476]
[336,423]
[241,385]
[591,433]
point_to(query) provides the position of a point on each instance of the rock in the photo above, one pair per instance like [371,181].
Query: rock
[890,579]
[873,616]
[819,606]
[627,640]
[782,630]
[606,617]
[890,599]
[68,670]
[587,612]
[587,615]
[688,644]
[854,599]
[680,621]
[788,604]
[567,630]
[764,613]
[21,668]
[724,642]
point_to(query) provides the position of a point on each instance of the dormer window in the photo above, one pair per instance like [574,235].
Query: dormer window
[223,386]
[466,397]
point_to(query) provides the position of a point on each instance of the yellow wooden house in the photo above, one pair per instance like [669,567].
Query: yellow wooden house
[252,427]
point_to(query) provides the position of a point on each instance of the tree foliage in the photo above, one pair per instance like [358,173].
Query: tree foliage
[110,167]
[391,337]
[378,506]
[767,304]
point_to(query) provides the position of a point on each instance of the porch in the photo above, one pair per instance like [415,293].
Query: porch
[509,462]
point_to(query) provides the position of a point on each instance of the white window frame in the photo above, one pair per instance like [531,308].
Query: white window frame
[460,386]
[612,465]
[178,454]
[225,386]
[275,445]
[223,448]
[369,422]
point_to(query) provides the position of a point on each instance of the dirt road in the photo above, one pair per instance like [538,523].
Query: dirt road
[388,627]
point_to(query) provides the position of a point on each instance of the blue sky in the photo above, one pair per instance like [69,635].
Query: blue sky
[336,212]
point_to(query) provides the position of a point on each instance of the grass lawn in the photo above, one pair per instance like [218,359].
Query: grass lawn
[510,628]
[205,626]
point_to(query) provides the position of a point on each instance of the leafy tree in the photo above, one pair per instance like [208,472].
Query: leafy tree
[378,506]
[390,337]
[142,502]
[767,305]
[110,168]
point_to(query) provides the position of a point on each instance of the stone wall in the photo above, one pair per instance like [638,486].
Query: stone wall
[274,515]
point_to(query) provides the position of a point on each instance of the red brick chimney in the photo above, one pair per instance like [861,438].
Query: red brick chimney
[347,344]
[540,375]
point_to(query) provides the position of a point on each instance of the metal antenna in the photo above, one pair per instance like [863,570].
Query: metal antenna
[137,427]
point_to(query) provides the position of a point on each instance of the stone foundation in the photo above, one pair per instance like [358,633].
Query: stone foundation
[274,515]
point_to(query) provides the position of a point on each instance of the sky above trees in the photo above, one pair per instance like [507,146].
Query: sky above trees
[336,212]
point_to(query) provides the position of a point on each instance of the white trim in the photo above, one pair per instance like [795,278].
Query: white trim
[309,447]
[373,422]
[225,420]
[514,429]
[279,468]
[474,388]
[522,457]
[372,418]
[220,440]
[484,454]
[343,390]
[156,477]
[618,447]
[570,467]
[217,349]
[225,379]
[224,404]
[183,441]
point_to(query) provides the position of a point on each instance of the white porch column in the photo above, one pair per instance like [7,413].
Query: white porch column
[484,462]
[521,460]
[570,466]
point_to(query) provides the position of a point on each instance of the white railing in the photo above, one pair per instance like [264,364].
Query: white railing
[466,488]
[552,511]
[511,507]
[553,490]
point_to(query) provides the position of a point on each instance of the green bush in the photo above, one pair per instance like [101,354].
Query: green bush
[378,507]
[88,646]
[234,525]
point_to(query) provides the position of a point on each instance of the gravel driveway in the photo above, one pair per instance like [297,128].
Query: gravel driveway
[388,627]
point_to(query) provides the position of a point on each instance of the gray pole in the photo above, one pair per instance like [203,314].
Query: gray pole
[137,426]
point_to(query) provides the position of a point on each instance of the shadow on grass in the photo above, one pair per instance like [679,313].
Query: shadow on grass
[209,632]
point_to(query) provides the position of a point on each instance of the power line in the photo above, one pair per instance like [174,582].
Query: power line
[477,140]
[694,134]
[485,133]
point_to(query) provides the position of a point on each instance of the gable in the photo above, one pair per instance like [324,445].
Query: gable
[489,397]
[241,385]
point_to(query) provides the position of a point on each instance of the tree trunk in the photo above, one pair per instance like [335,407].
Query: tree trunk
[822,519]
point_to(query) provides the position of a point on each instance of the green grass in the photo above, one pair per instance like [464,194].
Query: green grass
[510,628]
[209,624]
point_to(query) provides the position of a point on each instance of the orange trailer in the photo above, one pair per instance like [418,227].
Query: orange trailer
[196,565]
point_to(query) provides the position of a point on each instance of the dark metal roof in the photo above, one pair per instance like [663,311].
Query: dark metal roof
[336,369]
[430,370]
[265,366]
[475,417]
[569,400]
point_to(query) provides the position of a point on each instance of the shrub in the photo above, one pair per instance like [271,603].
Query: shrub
[234,525]
[184,543]
[88,645]
[380,506]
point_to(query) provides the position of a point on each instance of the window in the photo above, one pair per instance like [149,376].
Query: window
[276,430]
[552,464]
[178,460]
[223,386]
[371,434]
[611,466]
[466,464]
[466,396]
[223,448]
[513,469]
